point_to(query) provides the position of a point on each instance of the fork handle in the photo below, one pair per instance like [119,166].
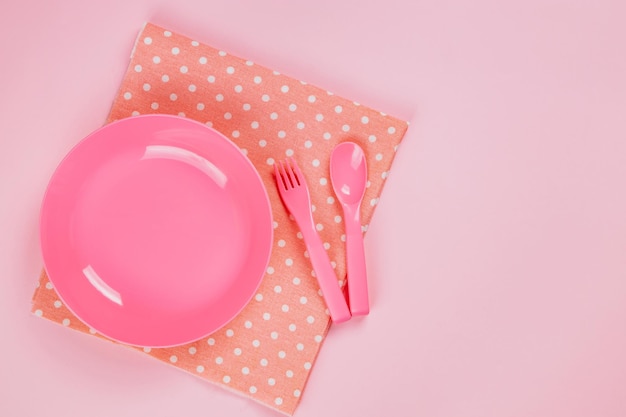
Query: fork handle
[326,277]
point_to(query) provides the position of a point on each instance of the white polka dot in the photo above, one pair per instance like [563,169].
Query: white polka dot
[200,106]
[284,308]
[230,70]
[282,354]
[307,365]
[252,389]
[299,235]
[256,343]
[303,300]
[319,227]
[210,124]
[175,50]
[365,120]
[271,381]
[391,130]
[289,373]
[257,79]
[330,200]
[235,134]
[167,33]
[337,219]
[199,369]
[345,128]
[222,53]
[38,313]
[226,379]
[147,349]
[238,88]
[265,98]
[289,262]
[264,362]
[293,107]
[289,152]
[275,224]
[297,393]
[58,304]
[323,181]
[270,161]
[266,316]
[210,341]
[326,245]
[338,109]
[274,116]
[281,243]
[318,338]
[211,78]
[184,69]
[274,335]
[165,78]
[315,163]
[173,97]
[278,401]
[379,156]
[66,322]
[384,175]
[319,117]
[237,351]
[308,144]
[312,99]
[259,297]
[326,136]
[192,350]
[300,347]
[292,327]
[228,116]
[278,289]
[127,96]
[246,106]
[262,143]
[147,40]
[219,360]
[173,358]
[284,88]
[192,88]
[245,370]
[138,68]
[93,331]
[202,60]
[195,43]
[219,97]
[230,333]
[156,59]
[296,281]
[249,63]
[282,134]
[300,125]
[135,113]
[343,238]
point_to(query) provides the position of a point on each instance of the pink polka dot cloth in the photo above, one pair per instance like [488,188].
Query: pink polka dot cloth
[267,352]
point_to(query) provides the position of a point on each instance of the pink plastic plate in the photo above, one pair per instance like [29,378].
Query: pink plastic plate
[156,230]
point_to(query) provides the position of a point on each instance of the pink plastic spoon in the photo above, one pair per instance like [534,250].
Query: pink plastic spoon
[348,173]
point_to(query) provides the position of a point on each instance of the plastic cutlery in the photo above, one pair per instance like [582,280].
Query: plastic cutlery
[294,193]
[348,174]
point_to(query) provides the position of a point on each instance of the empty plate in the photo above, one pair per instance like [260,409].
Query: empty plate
[156,230]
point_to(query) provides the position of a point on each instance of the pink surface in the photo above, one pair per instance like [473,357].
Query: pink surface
[496,259]
[138,257]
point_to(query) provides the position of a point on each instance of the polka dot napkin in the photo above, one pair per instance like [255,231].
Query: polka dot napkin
[266,352]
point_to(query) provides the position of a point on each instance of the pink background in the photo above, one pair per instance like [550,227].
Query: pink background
[497,254]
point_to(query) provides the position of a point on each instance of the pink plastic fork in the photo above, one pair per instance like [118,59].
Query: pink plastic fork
[295,195]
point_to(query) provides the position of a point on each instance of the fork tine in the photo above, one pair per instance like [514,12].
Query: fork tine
[285,176]
[296,171]
[290,174]
[279,178]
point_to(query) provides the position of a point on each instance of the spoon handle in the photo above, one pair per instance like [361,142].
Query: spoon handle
[357,274]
